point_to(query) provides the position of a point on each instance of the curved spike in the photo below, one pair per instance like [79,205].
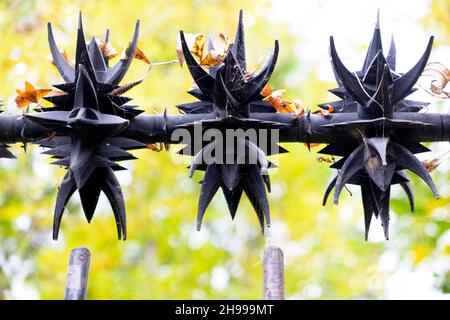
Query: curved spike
[407,160]
[238,47]
[266,179]
[330,185]
[64,68]
[352,165]
[116,73]
[392,55]
[349,80]
[65,191]
[375,45]
[198,159]
[202,78]
[210,185]
[112,190]
[404,84]
[260,156]
[257,83]
[85,93]
[407,187]
[255,190]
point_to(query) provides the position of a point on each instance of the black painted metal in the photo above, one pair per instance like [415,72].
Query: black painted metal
[374,129]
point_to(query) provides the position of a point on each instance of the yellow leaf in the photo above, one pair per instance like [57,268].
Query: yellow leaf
[212,58]
[140,55]
[29,95]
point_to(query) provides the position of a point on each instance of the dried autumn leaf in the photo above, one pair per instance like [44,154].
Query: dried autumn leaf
[311,145]
[275,98]
[431,165]
[107,49]
[30,95]
[197,47]
[213,58]
[223,42]
[440,76]
[157,147]
[267,90]
[324,159]
[297,105]
[140,55]
[195,43]
[325,113]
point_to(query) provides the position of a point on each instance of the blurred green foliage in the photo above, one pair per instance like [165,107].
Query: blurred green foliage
[164,256]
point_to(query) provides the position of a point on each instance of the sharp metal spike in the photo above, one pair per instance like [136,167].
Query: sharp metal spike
[404,84]
[351,166]
[407,160]
[64,68]
[210,185]
[66,189]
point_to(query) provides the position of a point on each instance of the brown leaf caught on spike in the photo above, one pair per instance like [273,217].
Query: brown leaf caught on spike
[311,145]
[213,58]
[325,113]
[197,47]
[30,95]
[324,159]
[140,55]
[196,44]
[267,90]
[282,104]
[432,164]
[107,49]
[157,147]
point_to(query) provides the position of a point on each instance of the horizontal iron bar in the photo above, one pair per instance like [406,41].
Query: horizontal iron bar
[324,129]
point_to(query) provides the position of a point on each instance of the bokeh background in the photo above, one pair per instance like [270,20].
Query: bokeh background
[164,257]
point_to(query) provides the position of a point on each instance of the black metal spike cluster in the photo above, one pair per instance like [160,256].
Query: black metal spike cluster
[377,157]
[87,120]
[375,130]
[229,93]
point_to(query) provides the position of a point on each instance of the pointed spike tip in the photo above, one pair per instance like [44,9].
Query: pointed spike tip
[377,22]
[80,20]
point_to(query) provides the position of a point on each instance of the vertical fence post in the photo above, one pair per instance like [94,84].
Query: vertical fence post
[273,273]
[77,274]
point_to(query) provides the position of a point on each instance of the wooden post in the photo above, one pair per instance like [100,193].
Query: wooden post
[77,274]
[273,273]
